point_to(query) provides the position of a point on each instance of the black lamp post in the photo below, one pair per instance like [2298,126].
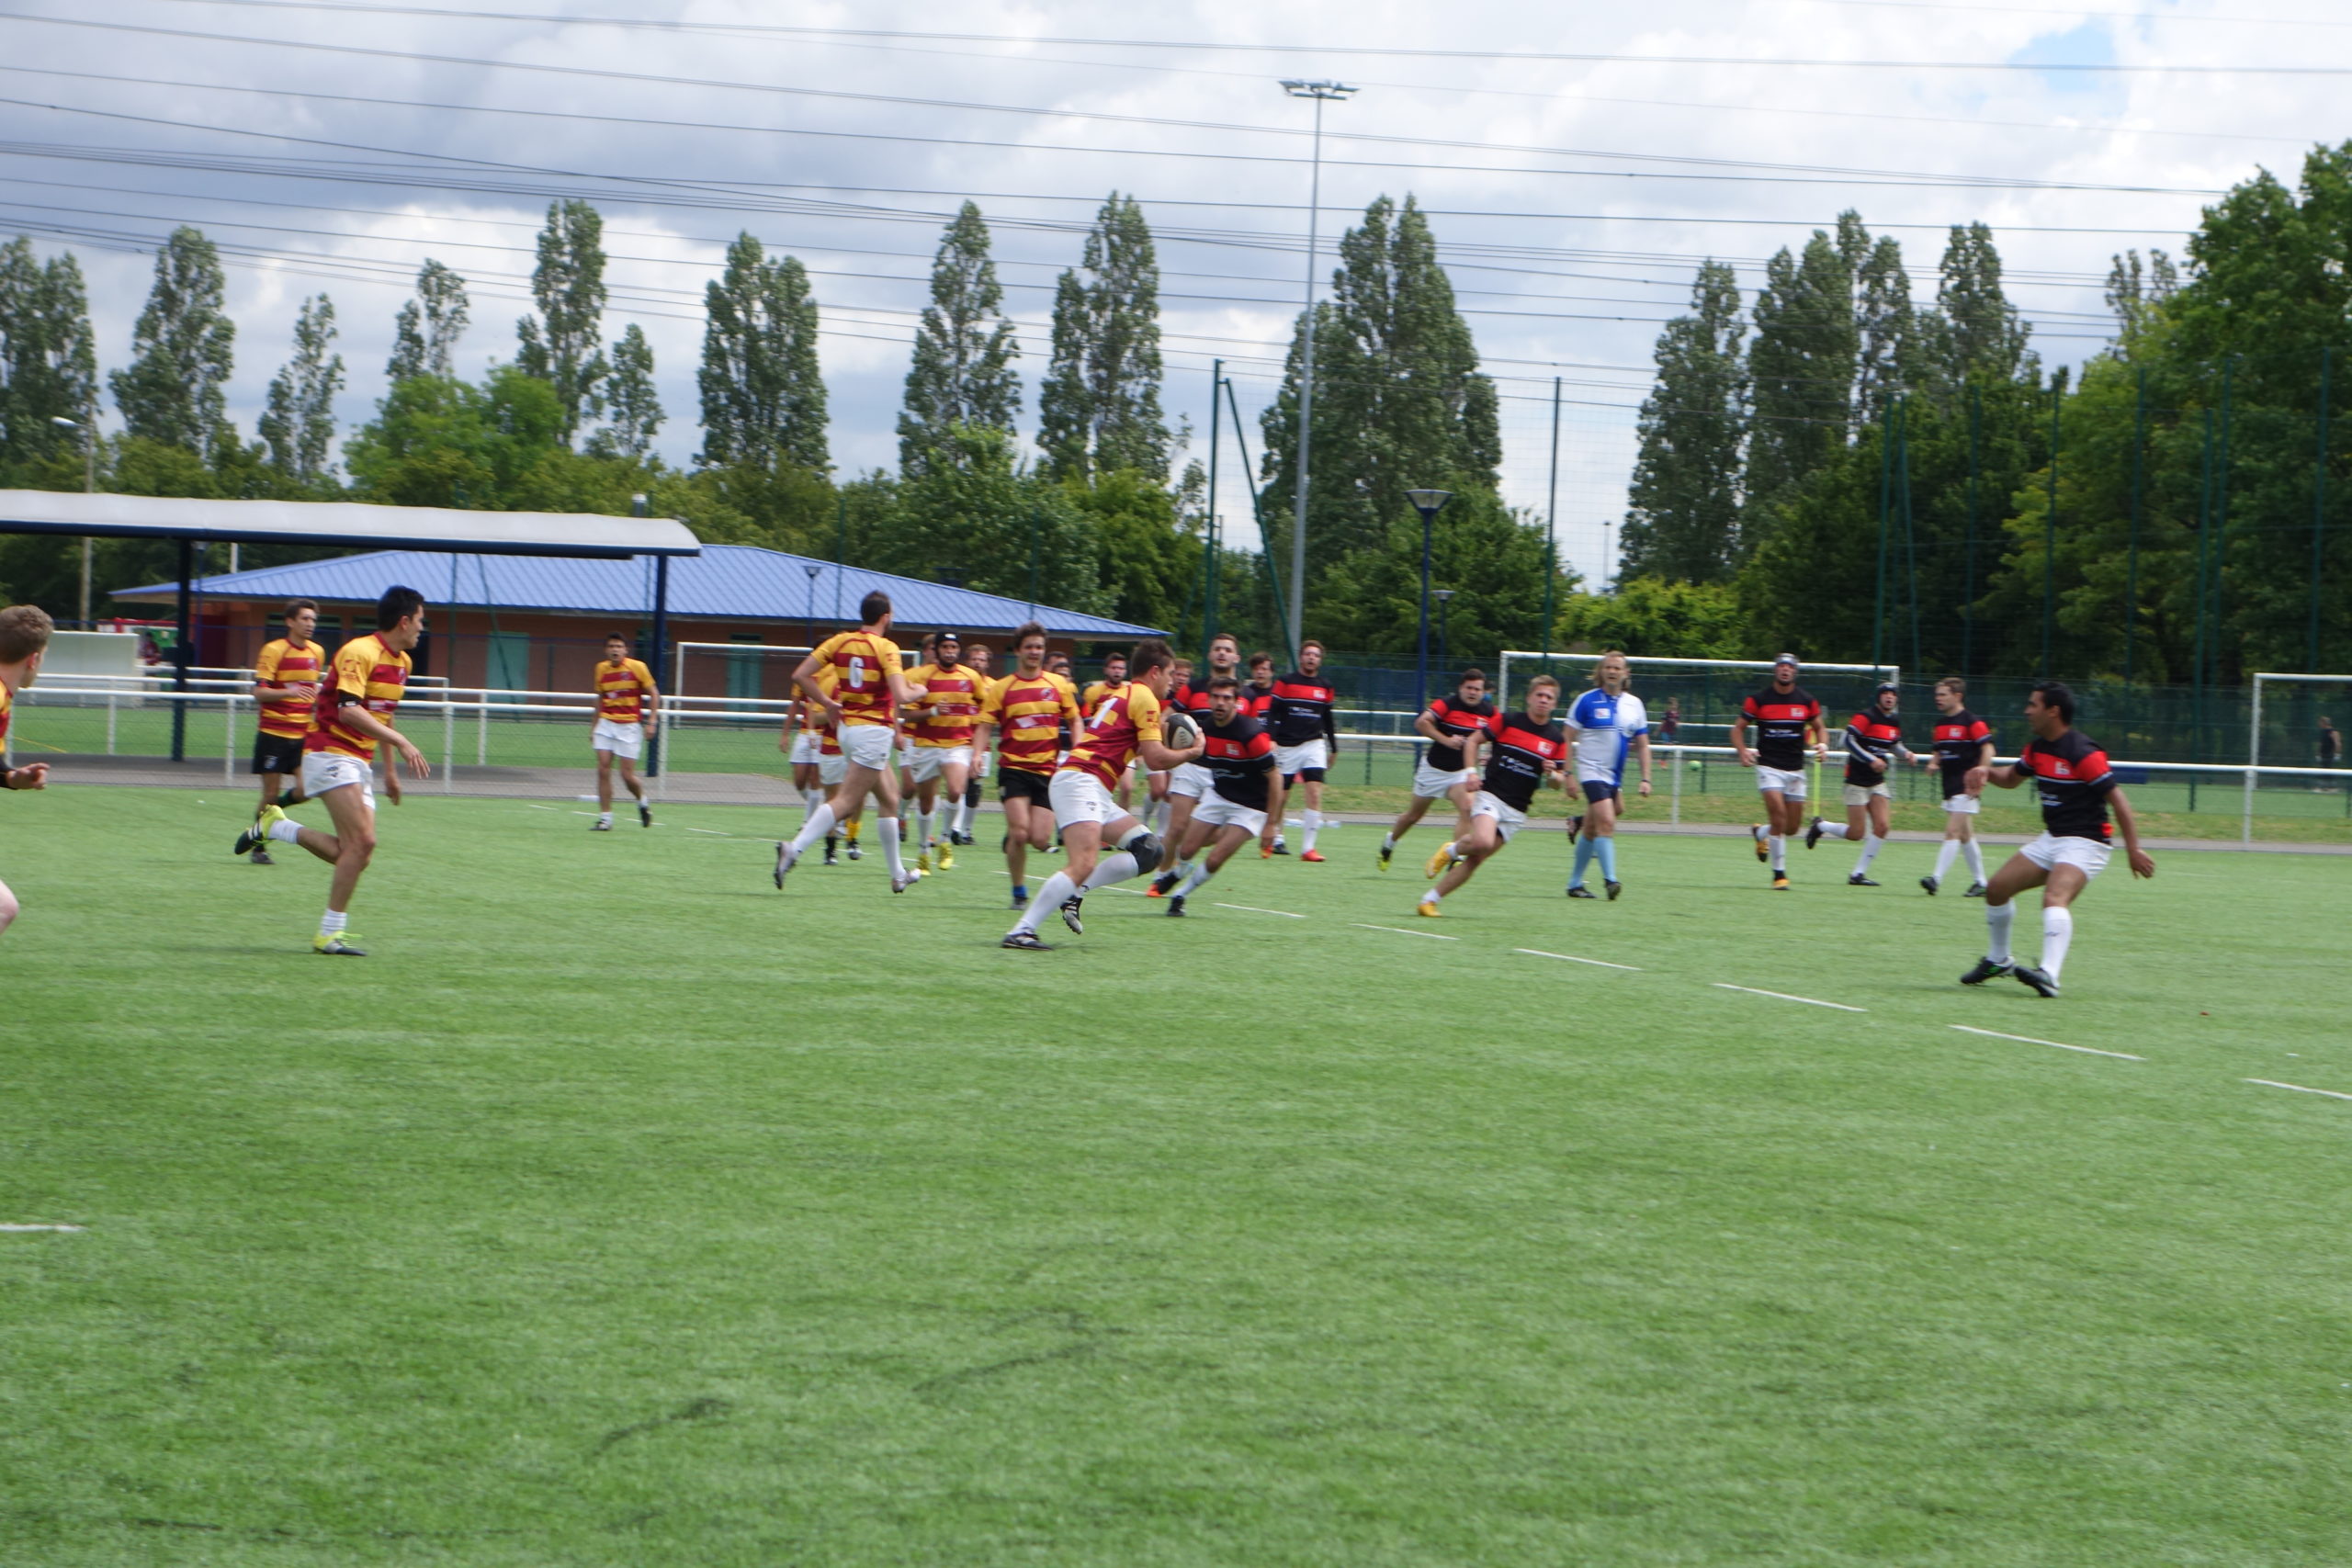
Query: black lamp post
[1425,502]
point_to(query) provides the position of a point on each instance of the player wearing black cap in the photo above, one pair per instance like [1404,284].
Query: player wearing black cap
[1787,721]
[1873,744]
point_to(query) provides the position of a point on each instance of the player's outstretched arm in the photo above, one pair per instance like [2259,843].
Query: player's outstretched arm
[352,716]
[2143,862]
[1999,778]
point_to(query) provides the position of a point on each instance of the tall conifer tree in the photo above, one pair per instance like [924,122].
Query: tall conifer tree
[298,425]
[426,333]
[1801,365]
[632,409]
[1098,408]
[49,367]
[1684,519]
[763,390]
[561,344]
[962,372]
[182,350]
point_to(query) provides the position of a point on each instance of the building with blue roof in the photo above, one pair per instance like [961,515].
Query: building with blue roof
[528,623]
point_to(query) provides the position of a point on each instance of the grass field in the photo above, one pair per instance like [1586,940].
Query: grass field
[621,1210]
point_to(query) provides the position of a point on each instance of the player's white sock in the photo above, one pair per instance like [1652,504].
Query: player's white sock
[1975,861]
[890,847]
[1049,898]
[1119,867]
[332,922]
[1944,857]
[960,822]
[1314,826]
[1870,847]
[2057,932]
[1998,919]
[285,830]
[1780,851]
[1194,880]
[1388,840]
[1431,897]
[922,826]
[819,823]
[606,818]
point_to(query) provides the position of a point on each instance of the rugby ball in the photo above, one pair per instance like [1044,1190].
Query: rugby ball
[1177,731]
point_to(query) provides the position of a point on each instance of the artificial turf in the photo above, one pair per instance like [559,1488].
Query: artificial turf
[622,1210]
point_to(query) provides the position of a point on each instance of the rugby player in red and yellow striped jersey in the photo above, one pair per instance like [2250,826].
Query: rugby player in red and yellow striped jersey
[942,732]
[855,678]
[1123,726]
[627,707]
[352,717]
[24,637]
[1025,709]
[285,683]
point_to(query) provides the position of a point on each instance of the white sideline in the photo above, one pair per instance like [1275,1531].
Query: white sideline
[712,831]
[9,1228]
[1841,1007]
[2299,1089]
[2061,1045]
[1253,908]
[1572,958]
[1405,930]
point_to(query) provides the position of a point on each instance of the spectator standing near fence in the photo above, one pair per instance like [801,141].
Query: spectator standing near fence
[2331,744]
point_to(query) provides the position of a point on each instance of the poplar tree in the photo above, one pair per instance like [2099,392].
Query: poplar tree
[426,333]
[49,367]
[763,390]
[1683,523]
[632,409]
[1887,332]
[1098,408]
[1984,335]
[559,345]
[962,373]
[1801,365]
[181,351]
[299,425]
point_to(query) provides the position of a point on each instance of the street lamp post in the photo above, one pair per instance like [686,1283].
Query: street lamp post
[1425,502]
[1444,598]
[89,487]
[1322,93]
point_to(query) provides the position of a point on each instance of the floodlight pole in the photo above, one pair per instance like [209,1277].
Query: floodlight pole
[1425,502]
[1321,91]
[89,431]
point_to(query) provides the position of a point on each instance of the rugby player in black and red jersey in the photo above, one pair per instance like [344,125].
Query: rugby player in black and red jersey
[1963,743]
[1873,745]
[1526,752]
[1302,711]
[1440,774]
[1190,784]
[2078,791]
[1788,724]
[1245,798]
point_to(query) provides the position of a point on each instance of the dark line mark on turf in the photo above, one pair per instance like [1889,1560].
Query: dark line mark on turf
[693,1410]
[973,1374]
[175,1525]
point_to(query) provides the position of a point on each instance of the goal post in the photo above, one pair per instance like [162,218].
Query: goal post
[725,704]
[2283,719]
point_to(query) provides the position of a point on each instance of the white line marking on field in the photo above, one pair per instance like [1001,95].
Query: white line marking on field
[1285,914]
[1572,958]
[2061,1045]
[6,1227]
[1405,930]
[1783,996]
[2299,1089]
[712,831]
[533,806]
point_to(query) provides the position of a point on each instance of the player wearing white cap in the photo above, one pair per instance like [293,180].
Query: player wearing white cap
[1788,724]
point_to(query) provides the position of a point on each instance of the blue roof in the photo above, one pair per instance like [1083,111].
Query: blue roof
[724,582]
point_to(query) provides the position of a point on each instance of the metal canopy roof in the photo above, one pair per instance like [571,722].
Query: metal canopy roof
[351,524]
[724,582]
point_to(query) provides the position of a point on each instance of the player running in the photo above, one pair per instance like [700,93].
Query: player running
[1246,786]
[959,822]
[1788,724]
[1025,711]
[1523,755]
[285,683]
[1963,743]
[353,716]
[951,691]
[2077,790]
[1440,774]
[1873,745]
[1302,712]
[627,707]
[803,744]
[1126,725]
[23,636]
[1604,724]
[1191,784]
[861,687]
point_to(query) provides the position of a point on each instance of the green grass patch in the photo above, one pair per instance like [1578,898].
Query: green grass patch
[621,1210]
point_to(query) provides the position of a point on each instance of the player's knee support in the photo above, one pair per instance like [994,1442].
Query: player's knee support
[1148,853]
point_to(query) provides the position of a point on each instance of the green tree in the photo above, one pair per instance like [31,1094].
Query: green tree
[1801,365]
[1887,332]
[49,367]
[1098,407]
[561,344]
[499,446]
[1492,557]
[1984,336]
[1655,617]
[962,375]
[1683,521]
[299,425]
[181,351]
[763,390]
[2136,293]
[632,408]
[968,506]
[1399,401]
[425,332]
[1145,559]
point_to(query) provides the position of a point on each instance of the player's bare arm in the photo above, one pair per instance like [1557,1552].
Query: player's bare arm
[1158,757]
[32,775]
[1642,751]
[1985,773]
[1739,741]
[2128,825]
[355,716]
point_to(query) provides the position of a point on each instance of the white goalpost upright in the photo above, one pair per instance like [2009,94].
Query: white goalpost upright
[2254,768]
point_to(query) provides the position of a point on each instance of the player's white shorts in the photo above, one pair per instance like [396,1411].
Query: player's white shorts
[1860,794]
[1509,820]
[623,740]
[1295,760]
[867,745]
[1790,781]
[1963,804]
[832,770]
[323,771]
[1219,812]
[1191,781]
[1081,797]
[2050,851]
[931,761]
[1435,783]
[805,747]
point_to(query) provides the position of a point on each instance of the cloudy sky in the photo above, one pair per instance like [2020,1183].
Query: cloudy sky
[1579,160]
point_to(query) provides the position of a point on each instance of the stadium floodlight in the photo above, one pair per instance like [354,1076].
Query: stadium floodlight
[1425,502]
[1322,93]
